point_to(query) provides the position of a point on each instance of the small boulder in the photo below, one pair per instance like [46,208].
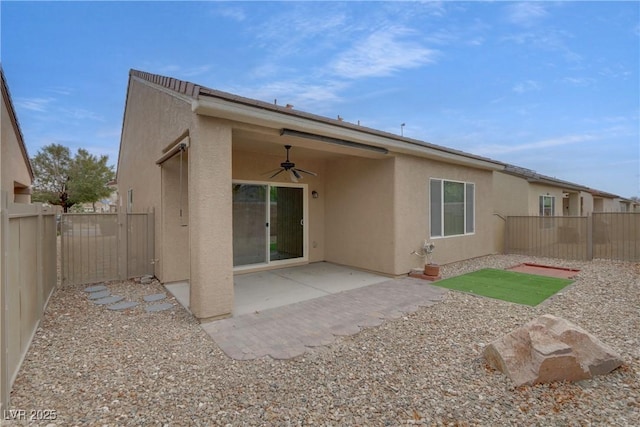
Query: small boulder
[550,349]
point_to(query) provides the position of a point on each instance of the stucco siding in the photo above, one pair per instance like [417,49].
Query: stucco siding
[537,190]
[510,197]
[412,215]
[15,172]
[153,119]
[359,209]
[210,211]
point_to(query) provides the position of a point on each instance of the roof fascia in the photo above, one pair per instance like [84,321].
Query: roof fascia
[229,110]
[16,125]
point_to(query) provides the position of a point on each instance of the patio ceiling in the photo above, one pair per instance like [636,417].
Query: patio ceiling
[270,142]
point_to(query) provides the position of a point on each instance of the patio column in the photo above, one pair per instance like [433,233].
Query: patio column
[210,219]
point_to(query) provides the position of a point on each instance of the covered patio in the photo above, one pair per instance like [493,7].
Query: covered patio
[263,290]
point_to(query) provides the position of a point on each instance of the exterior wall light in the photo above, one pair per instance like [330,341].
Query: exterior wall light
[314,194]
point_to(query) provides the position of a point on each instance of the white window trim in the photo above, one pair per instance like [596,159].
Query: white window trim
[541,204]
[475,210]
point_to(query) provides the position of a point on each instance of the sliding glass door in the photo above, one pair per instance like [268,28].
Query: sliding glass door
[268,223]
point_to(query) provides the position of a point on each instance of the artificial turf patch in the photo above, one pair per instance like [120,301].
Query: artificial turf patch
[521,288]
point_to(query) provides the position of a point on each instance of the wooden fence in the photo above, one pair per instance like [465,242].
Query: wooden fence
[28,276]
[613,236]
[106,246]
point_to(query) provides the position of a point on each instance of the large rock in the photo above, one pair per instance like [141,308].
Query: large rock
[550,349]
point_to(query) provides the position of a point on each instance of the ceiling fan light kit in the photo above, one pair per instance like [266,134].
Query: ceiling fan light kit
[289,166]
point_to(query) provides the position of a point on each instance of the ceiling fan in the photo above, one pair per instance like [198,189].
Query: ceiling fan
[289,166]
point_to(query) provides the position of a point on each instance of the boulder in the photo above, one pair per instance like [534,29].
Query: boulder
[549,349]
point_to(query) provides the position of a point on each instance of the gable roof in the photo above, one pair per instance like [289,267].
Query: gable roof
[6,96]
[200,95]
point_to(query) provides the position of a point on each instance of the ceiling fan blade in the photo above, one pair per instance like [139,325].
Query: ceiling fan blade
[294,175]
[279,172]
[271,171]
[307,172]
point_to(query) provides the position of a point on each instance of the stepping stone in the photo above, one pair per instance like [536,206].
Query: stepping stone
[158,307]
[122,305]
[98,295]
[96,288]
[108,300]
[154,297]
[145,280]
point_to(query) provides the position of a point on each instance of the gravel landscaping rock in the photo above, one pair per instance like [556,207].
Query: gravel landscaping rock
[100,367]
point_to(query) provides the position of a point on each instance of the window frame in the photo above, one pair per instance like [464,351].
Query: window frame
[542,206]
[468,205]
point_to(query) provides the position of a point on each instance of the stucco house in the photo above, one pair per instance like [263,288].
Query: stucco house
[521,191]
[228,199]
[17,174]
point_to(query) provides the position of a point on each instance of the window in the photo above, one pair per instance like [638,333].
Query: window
[452,208]
[547,205]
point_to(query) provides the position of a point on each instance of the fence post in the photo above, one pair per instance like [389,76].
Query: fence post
[123,232]
[506,235]
[151,253]
[4,350]
[589,237]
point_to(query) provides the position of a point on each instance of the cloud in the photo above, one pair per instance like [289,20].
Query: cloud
[34,104]
[579,81]
[526,86]
[302,95]
[526,14]
[231,12]
[381,54]
[498,149]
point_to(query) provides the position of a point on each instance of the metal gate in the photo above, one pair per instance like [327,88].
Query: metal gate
[105,246]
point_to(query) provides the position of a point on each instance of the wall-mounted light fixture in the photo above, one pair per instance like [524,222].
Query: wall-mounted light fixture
[314,194]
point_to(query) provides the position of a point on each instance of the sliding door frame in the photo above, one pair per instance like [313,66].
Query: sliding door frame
[305,227]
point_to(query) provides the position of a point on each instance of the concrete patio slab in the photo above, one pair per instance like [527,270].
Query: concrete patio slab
[289,331]
[275,288]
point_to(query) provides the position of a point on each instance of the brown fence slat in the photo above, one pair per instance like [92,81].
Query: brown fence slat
[614,236]
[92,246]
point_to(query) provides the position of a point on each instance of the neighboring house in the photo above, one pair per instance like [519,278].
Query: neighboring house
[627,205]
[204,160]
[17,173]
[605,202]
[521,191]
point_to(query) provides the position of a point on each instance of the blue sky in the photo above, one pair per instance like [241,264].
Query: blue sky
[550,86]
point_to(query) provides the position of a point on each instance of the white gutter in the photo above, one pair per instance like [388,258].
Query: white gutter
[229,110]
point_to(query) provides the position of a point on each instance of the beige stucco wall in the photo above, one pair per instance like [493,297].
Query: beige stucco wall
[15,172]
[210,218]
[412,212]
[175,225]
[153,120]
[536,190]
[359,213]
[510,198]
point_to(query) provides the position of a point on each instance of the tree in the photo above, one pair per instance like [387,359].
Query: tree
[65,181]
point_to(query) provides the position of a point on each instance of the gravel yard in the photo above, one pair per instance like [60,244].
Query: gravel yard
[93,366]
